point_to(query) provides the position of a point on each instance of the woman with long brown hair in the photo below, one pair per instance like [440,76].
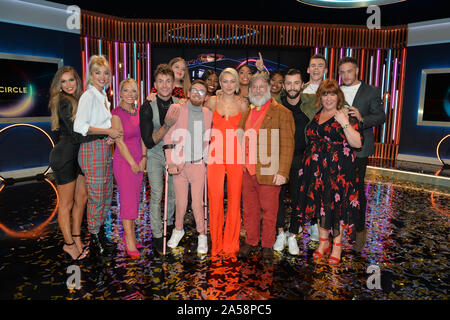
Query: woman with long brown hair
[65,91]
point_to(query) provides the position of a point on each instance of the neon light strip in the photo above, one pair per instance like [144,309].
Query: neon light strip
[388,75]
[316,50]
[124,60]
[361,73]
[394,84]
[331,65]
[371,70]
[378,68]
[382,97]
[114,89]
[100,47]
[86,50]
[135,57]
[394,132]
[148,68]
[116,51]
[326,57]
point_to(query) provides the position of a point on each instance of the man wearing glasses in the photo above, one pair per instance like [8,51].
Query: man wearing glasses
[186,151]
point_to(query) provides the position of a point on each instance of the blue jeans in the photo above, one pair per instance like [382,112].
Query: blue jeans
[155,172]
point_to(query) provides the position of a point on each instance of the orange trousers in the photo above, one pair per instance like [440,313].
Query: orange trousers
[224,240]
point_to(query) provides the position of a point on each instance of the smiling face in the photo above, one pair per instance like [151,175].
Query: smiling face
[276,84]
[244,75]
[293,85]
[228,84]
[179,68]
[197,94]
[128,94]
[329,101]
[164,83]
[259,92]
[68,83]
[100,77]
[212,82]
[349,73]
[316,69]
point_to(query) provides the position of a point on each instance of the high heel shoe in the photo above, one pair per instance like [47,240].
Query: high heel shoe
[133,254]
[317,254]
[80,256]
[334,260]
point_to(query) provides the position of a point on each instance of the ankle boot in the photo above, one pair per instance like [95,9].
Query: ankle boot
[108,246]
[96,249]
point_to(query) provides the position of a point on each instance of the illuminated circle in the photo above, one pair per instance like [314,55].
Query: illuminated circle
[250,60]
[437,149]
[20,108]
[35,232]
[243,32]
[34,127]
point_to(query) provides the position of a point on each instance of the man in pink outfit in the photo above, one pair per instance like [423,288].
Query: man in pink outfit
[186,151]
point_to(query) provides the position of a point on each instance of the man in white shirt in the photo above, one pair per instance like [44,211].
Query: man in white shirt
[365,104]
[317,69]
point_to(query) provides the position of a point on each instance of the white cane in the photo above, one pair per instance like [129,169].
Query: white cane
[166,196]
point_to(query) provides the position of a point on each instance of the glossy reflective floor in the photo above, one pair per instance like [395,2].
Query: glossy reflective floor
[408,237]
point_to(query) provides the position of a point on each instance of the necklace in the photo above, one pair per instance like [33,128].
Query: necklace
[130,113]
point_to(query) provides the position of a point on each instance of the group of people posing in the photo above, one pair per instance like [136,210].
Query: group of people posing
[264,138]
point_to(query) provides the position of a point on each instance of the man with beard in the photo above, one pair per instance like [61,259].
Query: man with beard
[186,152]
[303,110]
[268,145]
[366,105]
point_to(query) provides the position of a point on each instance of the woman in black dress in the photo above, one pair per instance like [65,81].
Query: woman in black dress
[65,91]
[328,178]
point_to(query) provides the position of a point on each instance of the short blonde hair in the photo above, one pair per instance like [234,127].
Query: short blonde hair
[234,73]
[133,84]
[95,62]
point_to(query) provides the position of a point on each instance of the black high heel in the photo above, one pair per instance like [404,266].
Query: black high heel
[79,256]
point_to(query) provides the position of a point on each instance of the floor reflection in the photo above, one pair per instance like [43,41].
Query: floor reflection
[408,233]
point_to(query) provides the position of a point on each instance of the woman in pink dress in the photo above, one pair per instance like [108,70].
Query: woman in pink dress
[128,162]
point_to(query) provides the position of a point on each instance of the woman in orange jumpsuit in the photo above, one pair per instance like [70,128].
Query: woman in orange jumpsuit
[225,158]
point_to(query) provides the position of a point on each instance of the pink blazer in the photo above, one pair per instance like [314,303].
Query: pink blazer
[177,135]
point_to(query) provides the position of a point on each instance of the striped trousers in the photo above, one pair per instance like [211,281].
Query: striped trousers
[95,159]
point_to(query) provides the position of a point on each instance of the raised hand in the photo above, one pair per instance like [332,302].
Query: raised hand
[172,117]
[260,63]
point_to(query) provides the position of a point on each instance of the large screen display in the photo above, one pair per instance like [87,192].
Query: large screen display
[434,101]
[24,87]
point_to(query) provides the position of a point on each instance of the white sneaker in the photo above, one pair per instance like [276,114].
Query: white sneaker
[293,246]
[175,238]
[314,232]
[202,247]
[280,242]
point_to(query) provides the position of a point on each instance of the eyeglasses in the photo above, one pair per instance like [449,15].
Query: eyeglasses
[200,92]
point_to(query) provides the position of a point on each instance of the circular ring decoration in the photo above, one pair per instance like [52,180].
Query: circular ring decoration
[35,232]
[34,127]
[243,32]
[437,149]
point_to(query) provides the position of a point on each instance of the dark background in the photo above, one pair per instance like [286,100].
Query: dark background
[265,10]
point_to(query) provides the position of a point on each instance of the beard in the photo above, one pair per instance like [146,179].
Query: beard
[259,101]
[295,92]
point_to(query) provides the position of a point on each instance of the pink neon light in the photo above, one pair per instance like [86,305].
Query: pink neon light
[124,60]
[250,60]
[86,50]
[116,67]
[394,84]
[378,68]
[148,68]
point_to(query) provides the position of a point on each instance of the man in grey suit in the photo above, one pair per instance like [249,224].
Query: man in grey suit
[155,121]
[365,104]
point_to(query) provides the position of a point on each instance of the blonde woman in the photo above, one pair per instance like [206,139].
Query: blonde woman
[227,112]
[65,91]
[129,162]
[93,122]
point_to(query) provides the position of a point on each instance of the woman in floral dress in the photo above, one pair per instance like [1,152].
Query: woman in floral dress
[328,178]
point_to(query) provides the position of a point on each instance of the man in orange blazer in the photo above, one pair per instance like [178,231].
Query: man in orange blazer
[267,139]
[188,140]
